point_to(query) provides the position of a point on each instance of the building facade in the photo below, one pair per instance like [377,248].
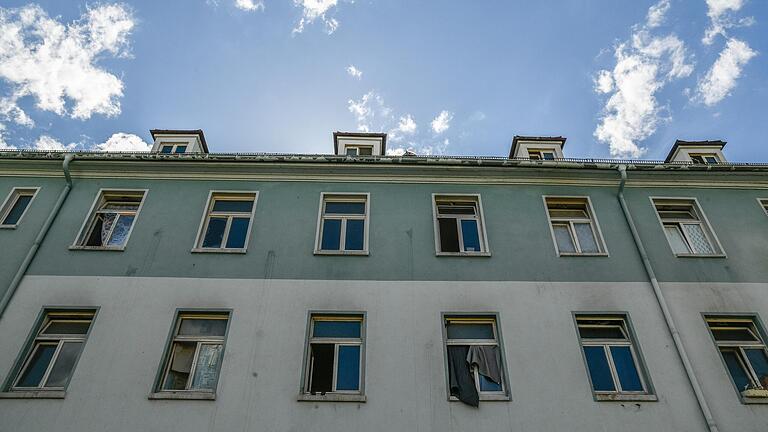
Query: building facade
[184,290]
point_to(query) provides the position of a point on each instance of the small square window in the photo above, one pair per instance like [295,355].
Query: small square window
[343,224]
[742,347]
[15,206]
[171,148]
[474,359]
[111,220]
[226,224]
[195,352]
[613,362]
[459,225]
[359,150]
[574,228]
[335,356]
[50,360]
[686,228]
[704,158]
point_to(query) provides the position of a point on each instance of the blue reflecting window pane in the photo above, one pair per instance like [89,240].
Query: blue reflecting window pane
[238,232]
[215,233]
[166,149]
[338,329]
[120,232]
[488,385]
[470,331]
[180,149]
[242,206]
[355,234]
[331,235]
[737,372]
[17,210]
[37,366]
[345,207]
[470,235]
[599,370]
[759,363]
[348,372]
[625,368]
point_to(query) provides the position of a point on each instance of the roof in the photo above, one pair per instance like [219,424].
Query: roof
[198,132]
[517,138]
[338,134]
[680,143]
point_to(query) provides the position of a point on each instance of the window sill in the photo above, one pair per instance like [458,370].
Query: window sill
[182,395]
[8,226]
[700,256]
[570,254]
[486,398]
[34,394]
[463,254]
[98,248]
[230,251]
[353,253]
[625,397]
[331,397]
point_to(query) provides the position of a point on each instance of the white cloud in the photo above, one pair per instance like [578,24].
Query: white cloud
[407,125]
[3,144]
[442,122]
[719,12]
[123,142]
[657,13]
[312,10]
[370,112]
[354,72]
[722,77]
[56,63]
[248,5]
[46,142]
[604,82]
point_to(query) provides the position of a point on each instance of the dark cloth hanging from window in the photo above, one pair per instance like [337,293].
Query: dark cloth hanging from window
[460,378]
[486,357]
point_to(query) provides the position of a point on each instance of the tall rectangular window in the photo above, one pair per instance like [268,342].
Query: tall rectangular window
[686,228]
[574,226]
[195,352]
[15,206]
[459,225]
[343,224]
[335,354]
[226,224]
[111,219]
[742,347]
[613,362]
[474,358]
[49,361]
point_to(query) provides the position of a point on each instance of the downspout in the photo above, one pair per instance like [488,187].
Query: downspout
[40,237]
[711,424]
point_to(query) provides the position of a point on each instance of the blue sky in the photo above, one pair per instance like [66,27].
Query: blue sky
[451,77]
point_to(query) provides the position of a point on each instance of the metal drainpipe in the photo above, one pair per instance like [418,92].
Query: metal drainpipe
[39,239]
[711,424]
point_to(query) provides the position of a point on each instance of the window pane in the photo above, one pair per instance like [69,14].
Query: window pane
[449,235]
[337,329]
[470,235]
[548,156]
[606,332]
[355,234]
[348,371]
[182,355]
[181,149]
[352,151]
[36,368]
[321,374]
[698,239]
[65,364]
[345,207]
[202,327]
[16,211]
[331,234]
[599,370]
[625,368]
[238,206]
[365,151]
[215,233]
[563,212]
[166,149]
[586,238]
[563,238]
[100,230]
[710,159]
[759,363]
[120,233]
[457,209]
[675,237]
[738,374]
[132,204]
[67,327]
[733,334]
[238,232]
[470,331]
[488,385]
[206,367]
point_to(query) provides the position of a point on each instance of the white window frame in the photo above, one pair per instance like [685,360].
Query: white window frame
[174,145]
[234,195]
[357,149]
[709,233]
[485,250]
[704,157]
[101,198]
[11,200]
[751,322]
[597,233]
[763,202]
[343,197]
[540,154]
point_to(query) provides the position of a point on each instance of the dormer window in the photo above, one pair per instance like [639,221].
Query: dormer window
[535,154]
[178,141]
[697,152]
[359,144]
[704,158]
[171,148]
[537,148]
[359,150]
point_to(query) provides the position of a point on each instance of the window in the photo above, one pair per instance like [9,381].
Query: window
[226,224]
[613,362]
[194,354]
[49,361]
[343,224]
[743,350]
[111,219]
[335,355]
[574,228]
[686,228]
[15,206]
[764,204]
[169,148]
[474,358]
[359,150]
[459,225]
[704,158]
[541,154]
